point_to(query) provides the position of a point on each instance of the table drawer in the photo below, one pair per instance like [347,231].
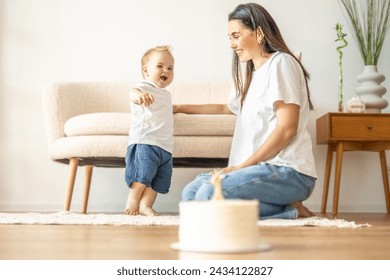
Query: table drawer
[360,127]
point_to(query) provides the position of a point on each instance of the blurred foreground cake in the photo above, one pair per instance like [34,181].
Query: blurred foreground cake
[218,225]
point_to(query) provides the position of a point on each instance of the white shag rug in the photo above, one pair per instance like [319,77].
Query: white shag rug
[69,218]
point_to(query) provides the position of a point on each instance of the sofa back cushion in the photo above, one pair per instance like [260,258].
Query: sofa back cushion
[119,124]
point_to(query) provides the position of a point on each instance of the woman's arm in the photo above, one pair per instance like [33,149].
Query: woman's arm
[286,129]
[201,109]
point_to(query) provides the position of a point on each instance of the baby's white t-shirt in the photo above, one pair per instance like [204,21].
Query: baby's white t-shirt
[279,79]
[152,125]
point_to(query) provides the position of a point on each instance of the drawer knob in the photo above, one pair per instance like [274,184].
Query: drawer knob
[369,126]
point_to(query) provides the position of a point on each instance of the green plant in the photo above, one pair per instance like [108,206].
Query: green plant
[369,21]
[341,38]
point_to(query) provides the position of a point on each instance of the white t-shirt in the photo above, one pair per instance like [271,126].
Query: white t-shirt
[280,78]
[152,125]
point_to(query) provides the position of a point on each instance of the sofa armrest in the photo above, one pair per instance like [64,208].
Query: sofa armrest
[61,101]
[54,113]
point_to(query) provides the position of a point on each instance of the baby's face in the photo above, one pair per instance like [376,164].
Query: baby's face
[159,69]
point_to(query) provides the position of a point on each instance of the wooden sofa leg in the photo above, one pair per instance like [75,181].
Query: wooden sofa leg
[73,164]
[87,185]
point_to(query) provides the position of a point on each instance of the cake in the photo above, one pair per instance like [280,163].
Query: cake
[219,226]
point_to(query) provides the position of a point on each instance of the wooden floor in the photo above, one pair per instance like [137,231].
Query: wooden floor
[57,242]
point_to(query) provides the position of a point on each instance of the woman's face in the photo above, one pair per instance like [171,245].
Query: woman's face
[243,41]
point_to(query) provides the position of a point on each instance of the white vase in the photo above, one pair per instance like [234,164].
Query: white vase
[370,91]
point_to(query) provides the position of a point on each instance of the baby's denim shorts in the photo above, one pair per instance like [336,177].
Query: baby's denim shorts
[149,165]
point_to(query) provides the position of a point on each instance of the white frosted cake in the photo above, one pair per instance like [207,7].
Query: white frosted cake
[221,226]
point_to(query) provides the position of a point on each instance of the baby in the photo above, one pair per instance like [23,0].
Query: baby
[149,152]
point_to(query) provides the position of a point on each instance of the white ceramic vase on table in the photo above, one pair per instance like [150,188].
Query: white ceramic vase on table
[370,90]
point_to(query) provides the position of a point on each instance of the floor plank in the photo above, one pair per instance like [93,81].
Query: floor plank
[62,242]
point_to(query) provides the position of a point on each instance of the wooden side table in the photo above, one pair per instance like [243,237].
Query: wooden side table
[352,132]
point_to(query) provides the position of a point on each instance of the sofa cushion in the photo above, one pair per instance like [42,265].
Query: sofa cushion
[119,124]
[95,146]
[98,124]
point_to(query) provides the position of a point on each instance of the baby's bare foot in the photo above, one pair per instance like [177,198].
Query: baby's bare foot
[133,199]
[132,207]
[147,211]
[147,201]
[131,212]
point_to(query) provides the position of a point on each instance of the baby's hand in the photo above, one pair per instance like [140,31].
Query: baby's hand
[145,99]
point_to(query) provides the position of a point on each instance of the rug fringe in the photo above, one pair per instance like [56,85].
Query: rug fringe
[69,218]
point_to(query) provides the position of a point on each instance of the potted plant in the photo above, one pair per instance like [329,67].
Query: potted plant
[369,21]
[341,38]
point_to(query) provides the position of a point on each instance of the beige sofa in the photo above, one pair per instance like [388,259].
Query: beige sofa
[88,125]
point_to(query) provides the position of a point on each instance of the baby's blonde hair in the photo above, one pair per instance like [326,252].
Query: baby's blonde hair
[149,52]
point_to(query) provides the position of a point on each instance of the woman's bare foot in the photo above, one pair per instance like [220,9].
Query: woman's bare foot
[303,211]
[133,199]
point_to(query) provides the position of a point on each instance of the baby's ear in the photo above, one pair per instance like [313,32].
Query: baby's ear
[145,71]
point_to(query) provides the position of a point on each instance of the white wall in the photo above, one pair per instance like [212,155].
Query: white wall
[43,41]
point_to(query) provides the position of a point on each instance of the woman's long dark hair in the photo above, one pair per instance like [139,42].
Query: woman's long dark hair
[253,15]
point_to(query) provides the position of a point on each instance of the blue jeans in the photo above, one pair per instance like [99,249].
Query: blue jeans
[275,187]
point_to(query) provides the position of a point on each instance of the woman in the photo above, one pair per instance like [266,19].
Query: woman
[271,157]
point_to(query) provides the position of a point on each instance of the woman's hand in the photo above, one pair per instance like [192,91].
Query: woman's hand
[230,169]
[176,109]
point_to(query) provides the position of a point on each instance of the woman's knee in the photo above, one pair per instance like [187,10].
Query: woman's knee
[188,193]
[190,190]
[205,192]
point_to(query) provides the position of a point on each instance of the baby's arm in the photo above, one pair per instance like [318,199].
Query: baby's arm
[141,98]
